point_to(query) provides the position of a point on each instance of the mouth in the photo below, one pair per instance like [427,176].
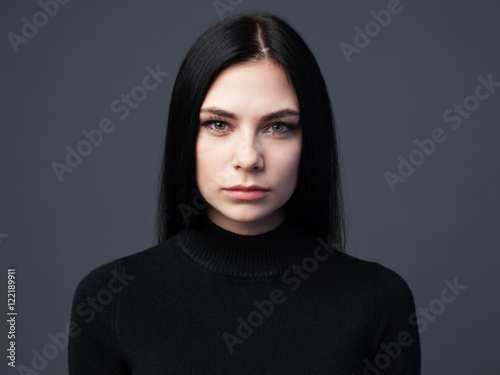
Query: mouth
[246,193]
[247,188]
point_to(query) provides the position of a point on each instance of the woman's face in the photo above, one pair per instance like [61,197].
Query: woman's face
[248,147]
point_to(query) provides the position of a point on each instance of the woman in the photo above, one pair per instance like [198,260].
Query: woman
[249,275]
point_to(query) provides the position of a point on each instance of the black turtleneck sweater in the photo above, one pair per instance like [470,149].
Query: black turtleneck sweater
[209,301]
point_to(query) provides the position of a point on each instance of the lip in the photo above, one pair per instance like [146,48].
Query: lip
[247,188]
[246,193]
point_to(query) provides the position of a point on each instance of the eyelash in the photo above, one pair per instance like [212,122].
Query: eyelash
[206,124]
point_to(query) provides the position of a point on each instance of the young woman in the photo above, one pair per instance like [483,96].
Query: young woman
[249,276]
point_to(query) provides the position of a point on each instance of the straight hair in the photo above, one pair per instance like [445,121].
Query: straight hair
[317,202]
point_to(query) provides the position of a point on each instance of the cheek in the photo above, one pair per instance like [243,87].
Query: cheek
[286,163]
[209,161]
[201,157]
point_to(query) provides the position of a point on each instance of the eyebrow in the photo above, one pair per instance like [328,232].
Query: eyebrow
[271,116]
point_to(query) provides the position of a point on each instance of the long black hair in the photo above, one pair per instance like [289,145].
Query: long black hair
[317,202]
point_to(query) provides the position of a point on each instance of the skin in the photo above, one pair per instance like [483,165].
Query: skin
[240,146]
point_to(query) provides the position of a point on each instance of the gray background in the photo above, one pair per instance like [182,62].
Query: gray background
[441,223]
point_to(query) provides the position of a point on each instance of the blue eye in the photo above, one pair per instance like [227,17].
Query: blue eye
[215,126]
[218,125]
[279,128]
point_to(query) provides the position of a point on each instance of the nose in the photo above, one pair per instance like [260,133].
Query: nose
[247,155]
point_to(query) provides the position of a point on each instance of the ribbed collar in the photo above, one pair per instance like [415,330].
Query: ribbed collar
[246,256]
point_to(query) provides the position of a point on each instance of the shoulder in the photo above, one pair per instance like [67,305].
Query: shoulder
[372,271]
[383,282]
[121,272]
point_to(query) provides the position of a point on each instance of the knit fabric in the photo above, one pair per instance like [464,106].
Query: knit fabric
[210,301]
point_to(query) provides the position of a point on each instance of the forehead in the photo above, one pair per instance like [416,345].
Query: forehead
[253,88]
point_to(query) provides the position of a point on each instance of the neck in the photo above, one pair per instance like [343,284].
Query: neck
[243,227]
[268,254]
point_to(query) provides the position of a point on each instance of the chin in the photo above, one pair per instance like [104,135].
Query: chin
[246,215]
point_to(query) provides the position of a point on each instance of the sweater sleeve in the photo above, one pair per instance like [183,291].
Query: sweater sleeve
[397,342]
[92,347]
